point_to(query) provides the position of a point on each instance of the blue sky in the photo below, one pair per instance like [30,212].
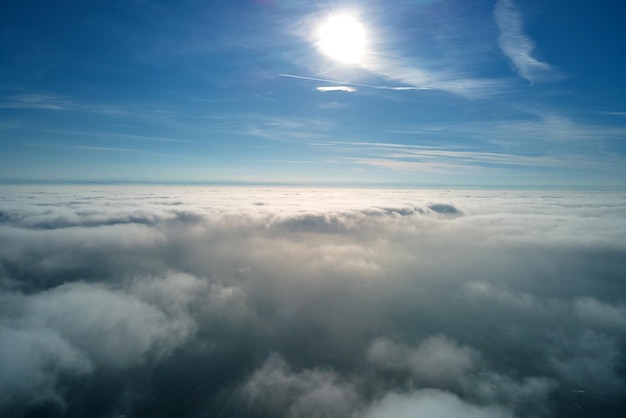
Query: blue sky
[446,93]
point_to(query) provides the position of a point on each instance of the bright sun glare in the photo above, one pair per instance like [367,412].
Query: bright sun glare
[342,37]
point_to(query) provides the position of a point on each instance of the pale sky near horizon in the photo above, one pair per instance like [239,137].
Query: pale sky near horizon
[415,92]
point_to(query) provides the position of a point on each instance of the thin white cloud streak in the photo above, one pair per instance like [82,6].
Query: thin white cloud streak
[36,101]
[433,167]
[81,147]
[288,161]
[277,134]
[228,122]
[392,155]
[517,46]
[611,113]
[345,89]
[96,148]
[9,126]
[373,144]
[283,128]
[543,128]
[518,145]
[111,135]
[418,79]
[399,88]
[45,101]
[333,105]
[474,157]
[54,102]
[547,128]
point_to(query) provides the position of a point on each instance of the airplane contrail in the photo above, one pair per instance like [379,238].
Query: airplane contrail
[353,84]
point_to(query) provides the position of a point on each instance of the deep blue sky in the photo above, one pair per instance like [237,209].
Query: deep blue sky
[449,92]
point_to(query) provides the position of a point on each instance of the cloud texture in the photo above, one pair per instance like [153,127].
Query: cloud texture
[157,301]
[517,46]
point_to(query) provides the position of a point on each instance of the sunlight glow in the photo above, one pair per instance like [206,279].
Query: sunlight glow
[342,37]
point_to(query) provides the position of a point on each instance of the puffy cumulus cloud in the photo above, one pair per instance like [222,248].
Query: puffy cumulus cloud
[176,301]
[602,314]
[114,328]
[278,391]
[430,403]
[439,362]
[590,362]
[32,361]
[436,360]
[79,328]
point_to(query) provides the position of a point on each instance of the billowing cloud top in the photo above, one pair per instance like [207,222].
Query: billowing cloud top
[155,301]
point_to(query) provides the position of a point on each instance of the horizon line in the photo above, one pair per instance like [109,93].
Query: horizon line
[240,183]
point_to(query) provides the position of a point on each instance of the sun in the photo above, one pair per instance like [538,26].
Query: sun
[342,37]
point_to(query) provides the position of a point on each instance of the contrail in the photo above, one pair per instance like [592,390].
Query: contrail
[228,122]
[353,84]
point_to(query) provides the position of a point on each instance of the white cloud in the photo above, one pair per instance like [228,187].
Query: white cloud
[516,45]
[613,113]
[32,360]
[431,403]
[112,328]
[589,362]
[346,89]
[500,300]
[36,101]
[436,360]
[544,141]
[414,78]
[276,390]
[600,313]
[348,84]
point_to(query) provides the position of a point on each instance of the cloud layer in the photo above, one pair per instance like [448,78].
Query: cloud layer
[302,303]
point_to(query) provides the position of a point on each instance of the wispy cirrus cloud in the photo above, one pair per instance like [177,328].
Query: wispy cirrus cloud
[612,113]
[416,158]
[524,133]
[415,78]
[282,129]
[451,159]
[51,101]
[82,147]
[36,101]
[113,135]
[349,83]
[517,46]
[547,128]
